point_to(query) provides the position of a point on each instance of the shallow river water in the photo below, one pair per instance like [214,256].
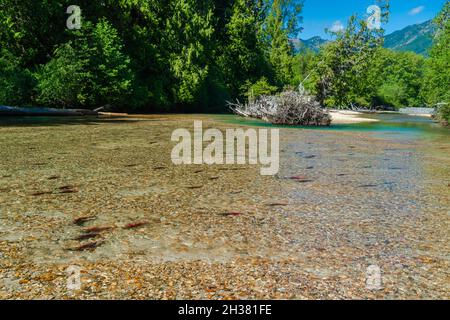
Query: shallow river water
[373,194]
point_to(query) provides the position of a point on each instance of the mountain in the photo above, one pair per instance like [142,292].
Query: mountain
[417,38]
[313,44]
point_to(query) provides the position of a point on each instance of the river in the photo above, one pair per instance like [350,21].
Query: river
[372,195]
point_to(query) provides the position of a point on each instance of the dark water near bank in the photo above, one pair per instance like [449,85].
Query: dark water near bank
[42,121]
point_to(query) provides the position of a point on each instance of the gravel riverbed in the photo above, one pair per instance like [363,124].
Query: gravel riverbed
[103,197]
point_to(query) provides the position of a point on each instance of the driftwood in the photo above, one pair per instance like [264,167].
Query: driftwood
[18,111]
[289,108]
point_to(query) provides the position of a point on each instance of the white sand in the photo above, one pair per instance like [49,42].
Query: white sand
[421,115]
[345,116]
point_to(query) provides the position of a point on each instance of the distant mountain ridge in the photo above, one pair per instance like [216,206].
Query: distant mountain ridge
[417,38]
[313,44]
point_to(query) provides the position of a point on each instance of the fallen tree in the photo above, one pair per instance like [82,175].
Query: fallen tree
[38,111]
[288,108]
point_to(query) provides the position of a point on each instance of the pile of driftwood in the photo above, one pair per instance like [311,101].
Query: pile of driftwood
[288,108]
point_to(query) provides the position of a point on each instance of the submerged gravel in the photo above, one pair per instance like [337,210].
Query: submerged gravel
[104,196]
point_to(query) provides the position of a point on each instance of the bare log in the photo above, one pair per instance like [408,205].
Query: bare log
[38,111]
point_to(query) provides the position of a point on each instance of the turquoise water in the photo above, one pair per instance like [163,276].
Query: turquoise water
[390,125]
[398,126]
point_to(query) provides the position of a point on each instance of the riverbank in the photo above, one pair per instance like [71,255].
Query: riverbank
[338,116]
[160,231]
[346,117]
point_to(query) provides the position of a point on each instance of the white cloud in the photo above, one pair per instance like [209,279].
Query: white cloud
[337,26]
[417,10]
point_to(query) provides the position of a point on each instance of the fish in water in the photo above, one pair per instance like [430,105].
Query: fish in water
[301,179]
[97,229]
[68,189]
[277,204]
[87,236]
[41,193]
[136,225]
[87,246]
[82,220]
[194,187]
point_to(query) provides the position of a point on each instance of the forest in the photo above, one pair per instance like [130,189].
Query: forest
[195,55]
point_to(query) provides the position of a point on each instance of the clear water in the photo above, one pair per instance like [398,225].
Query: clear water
[397,126]
[390,125]
[370,201]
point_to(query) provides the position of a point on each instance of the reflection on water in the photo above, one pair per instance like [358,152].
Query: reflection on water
[57,121]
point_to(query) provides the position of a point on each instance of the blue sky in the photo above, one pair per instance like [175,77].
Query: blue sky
[321,14]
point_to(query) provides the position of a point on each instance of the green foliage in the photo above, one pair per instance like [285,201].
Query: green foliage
[390,79]
[392,94]
[259,88]
[148,54]
[15,82]
[276,34]
[437,73]
[354,70]
[189,31]
[396,78]
[443,114]
[113,78]
[304,67]
[65,79]
[241,58]
[91,70]
[345,63]
[194,55]
[30,28]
